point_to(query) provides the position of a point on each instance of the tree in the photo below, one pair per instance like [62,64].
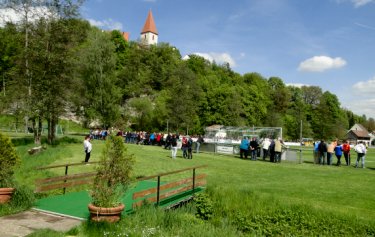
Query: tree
[43,64]
[182,105]
[295,116]
[330,120]
[96,67]
[142,110]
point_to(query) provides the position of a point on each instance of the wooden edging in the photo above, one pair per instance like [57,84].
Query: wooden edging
[172,172]
[65,178]
[169,194]
[166,186]
[65,165]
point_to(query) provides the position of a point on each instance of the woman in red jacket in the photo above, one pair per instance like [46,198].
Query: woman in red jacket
[346,150]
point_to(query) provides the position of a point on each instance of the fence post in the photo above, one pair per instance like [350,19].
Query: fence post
[193,180]
[158,192]
[66,173]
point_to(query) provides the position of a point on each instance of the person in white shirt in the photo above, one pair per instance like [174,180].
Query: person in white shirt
[265,145]
[360,148]
[87,146]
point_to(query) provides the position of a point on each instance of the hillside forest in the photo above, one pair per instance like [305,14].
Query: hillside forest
[58,67]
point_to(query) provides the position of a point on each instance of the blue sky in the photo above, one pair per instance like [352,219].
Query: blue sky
[327,43]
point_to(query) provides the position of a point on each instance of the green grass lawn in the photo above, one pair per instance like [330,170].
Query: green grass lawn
[241,185]
[340,189]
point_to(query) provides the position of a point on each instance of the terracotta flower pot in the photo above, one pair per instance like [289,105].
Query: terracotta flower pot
[108,214]
[6,194]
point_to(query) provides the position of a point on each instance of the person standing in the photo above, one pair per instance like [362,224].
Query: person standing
[278,149]
[190,148]
[316,152]
[330,150]
[338,153]
[253,148]
[184,147]
[322,147]
[87,146]
[272,151]
[360,148]
[244,147]
[168,140]
[346,150]
[174,146]
[265,145]
[199,142]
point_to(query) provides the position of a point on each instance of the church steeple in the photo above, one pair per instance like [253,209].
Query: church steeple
[149,33]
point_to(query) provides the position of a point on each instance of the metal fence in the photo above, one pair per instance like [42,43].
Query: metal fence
[296,155]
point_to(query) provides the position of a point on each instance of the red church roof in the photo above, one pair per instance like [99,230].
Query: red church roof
[125,35]
[149,24]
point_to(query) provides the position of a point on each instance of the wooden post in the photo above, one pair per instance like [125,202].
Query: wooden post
[66,173]
[158,192]
[193,179]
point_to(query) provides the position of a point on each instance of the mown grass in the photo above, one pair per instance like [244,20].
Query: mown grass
[248,198]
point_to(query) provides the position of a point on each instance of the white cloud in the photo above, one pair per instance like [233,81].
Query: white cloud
[219,58]
[361,98]
[365,88]
[365,26]
[321,63]
[362,106]
[360,3]
[299,85]
[16,15]
[357,3]
[106,24]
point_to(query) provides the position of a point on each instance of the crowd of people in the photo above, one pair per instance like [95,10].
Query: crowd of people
[323,152]
[167,140]
[268,147]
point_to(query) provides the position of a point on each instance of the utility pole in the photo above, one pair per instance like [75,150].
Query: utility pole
[3,84]
[300,135]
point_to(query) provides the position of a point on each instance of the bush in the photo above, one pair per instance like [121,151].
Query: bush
[9,159]
[113,173]
[23,198]
[203,205]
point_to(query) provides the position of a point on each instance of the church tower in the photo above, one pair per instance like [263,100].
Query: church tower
[149,33]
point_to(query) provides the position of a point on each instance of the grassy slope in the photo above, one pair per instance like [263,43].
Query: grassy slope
[344,190]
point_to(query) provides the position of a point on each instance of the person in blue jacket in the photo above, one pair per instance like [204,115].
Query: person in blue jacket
[338,153]
[244,147]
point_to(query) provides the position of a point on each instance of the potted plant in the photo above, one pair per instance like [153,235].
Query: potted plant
[9,159]
[111,181]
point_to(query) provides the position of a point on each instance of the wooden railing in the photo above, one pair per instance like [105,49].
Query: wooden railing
[65,181]
[185,187]
[167,190]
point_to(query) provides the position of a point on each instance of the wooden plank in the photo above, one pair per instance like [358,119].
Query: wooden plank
[144,193]
[64,177]
[63,185]
[163,196]
[200,184]
[64,165]
[167,186]
[170,193]
[172,172]
[162,187]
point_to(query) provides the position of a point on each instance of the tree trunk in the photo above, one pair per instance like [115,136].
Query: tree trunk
[37,130]
[52,122]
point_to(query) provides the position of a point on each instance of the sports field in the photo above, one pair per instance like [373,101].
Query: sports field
[342,197]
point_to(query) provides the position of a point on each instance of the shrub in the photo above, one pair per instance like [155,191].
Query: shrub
[204,206]
[113,173]
[9,159]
